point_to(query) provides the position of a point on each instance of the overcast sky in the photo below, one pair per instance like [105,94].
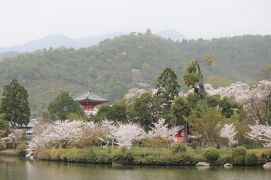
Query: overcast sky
[24,20]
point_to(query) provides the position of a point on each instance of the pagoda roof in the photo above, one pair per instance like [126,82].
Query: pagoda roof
[91,96]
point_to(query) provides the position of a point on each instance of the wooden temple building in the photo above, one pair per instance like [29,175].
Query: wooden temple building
[89,100]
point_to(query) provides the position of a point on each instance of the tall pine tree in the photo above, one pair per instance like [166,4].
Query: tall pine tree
[15,105]
[167,87]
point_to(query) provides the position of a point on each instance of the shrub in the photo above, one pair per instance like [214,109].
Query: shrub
[155,142]
[239,155]
[211,155]
[180,160]
[43,154]
[194,144]
[251,159]
[89,138]
[20,148]
[3,145]
[123,157]
[4,128]
[224,159]
[11,145]
[178,148]
[263,155]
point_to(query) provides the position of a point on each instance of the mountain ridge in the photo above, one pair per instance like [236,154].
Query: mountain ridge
[60,40]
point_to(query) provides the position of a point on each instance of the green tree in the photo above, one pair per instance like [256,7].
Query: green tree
[194,78]
[15,105]
[4,129]
[207,126]
[180,108]
[228,107]
[145,110]
[192,99]
[62,106]
[265,73]
[103,112]
[209,59]
[167,87]
[117,112]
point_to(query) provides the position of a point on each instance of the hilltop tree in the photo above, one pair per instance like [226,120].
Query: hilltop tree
[15,105]
[265,73]
[62,106]
[167,87]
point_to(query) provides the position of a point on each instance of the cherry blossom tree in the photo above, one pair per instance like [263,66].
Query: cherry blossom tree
[16,134]
[46,134]
[127,134]
[259,102]
[229,132]
[267,136]
[256,100]
[160,129]
[260,133]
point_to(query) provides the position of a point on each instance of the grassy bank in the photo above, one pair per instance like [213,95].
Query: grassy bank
[9,152]
[161,157]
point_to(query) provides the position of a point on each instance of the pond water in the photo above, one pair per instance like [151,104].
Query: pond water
[18,169]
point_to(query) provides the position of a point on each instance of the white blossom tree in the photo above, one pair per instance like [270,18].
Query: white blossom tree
[127,134]
[229,132]
[160,129]
[46,134]
[260,133]
[256,99]
[16,134]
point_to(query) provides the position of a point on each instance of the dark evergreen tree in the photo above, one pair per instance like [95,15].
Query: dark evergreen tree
[167,87]
[15,105]
[62,106]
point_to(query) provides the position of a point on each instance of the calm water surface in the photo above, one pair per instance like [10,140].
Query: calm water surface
[14,168]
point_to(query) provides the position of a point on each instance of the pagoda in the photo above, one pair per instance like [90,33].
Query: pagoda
[89,100]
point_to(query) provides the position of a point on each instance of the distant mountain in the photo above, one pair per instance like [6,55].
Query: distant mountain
[58,40]
[173,35]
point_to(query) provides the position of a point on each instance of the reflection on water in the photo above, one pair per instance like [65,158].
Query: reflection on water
[14,168]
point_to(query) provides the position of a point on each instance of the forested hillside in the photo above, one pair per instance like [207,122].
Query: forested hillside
[112,64]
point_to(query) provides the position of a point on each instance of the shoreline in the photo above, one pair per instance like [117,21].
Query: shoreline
[150,157]
[9,153]
[146,157]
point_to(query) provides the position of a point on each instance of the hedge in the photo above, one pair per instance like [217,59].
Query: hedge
[159,157]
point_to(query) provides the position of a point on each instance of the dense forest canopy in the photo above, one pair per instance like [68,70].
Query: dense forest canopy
[130,60]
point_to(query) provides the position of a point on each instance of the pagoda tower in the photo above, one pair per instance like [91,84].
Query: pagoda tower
[89,100]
